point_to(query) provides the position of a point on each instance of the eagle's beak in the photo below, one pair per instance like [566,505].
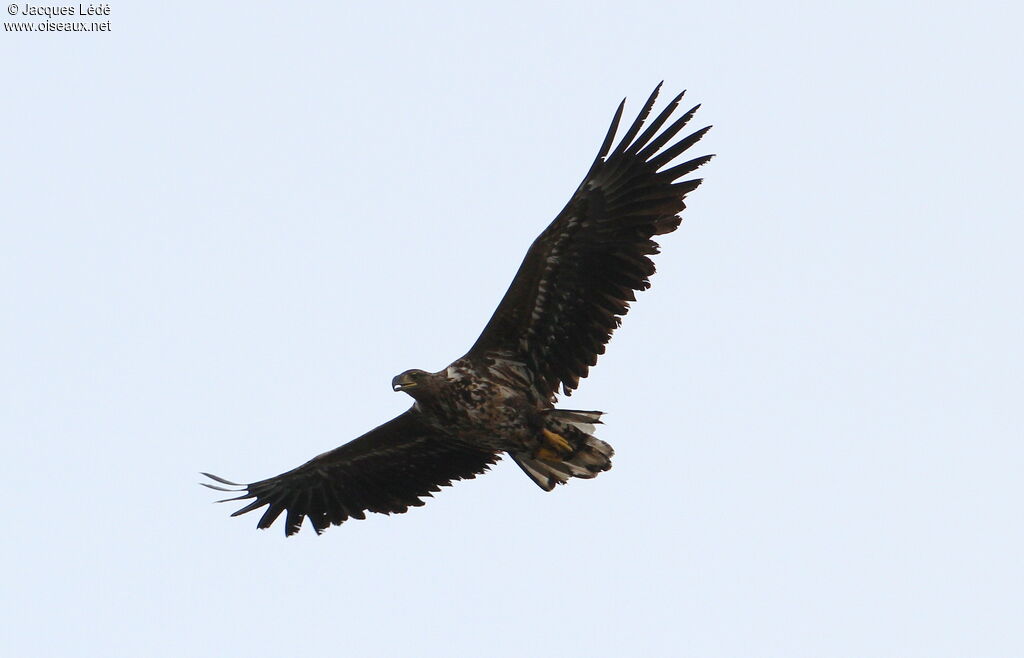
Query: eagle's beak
[402,382]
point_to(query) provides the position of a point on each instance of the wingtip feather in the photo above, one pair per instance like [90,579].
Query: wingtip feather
[612,129]
[217,478]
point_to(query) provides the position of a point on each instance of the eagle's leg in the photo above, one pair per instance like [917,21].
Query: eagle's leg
[554,447]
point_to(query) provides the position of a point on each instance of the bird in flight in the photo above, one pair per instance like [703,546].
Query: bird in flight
[570,293]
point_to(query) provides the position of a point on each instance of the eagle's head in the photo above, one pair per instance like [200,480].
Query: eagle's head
[414,382]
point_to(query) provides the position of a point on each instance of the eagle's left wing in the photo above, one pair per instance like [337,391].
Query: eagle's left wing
[581,273]
[387,470]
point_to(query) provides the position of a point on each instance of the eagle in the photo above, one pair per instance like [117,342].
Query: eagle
[570,293]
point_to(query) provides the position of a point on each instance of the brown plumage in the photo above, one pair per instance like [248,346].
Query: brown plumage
[387,470]
[567,298]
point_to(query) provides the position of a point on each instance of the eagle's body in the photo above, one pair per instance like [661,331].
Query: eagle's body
[569,295]
[490,401]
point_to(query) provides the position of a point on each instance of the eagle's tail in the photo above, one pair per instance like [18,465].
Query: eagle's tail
[568,449]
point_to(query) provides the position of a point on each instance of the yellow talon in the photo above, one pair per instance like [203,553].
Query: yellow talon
[548,455]
[555,448]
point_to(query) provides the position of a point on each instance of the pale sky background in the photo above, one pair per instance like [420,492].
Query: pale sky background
[226,226]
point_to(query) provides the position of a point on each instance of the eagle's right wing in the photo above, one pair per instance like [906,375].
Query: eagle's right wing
[387,470]
[581,273]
